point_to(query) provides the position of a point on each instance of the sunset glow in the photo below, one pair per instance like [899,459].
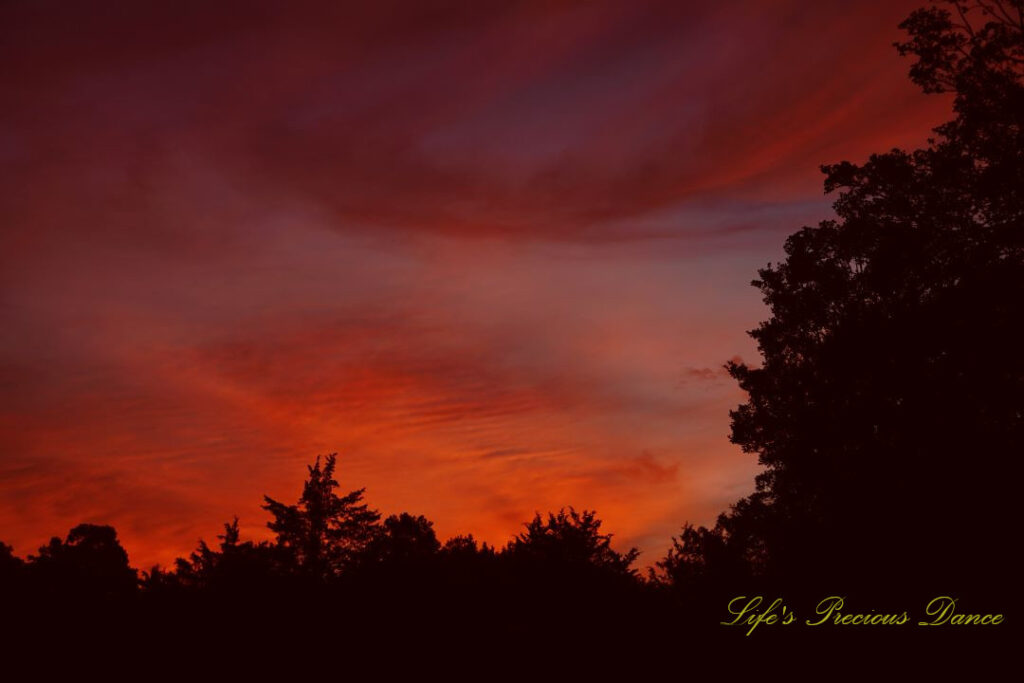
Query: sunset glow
[494,255]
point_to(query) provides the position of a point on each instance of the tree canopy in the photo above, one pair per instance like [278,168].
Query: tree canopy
[888,406]
[89,561]
[572,540]
[323,532]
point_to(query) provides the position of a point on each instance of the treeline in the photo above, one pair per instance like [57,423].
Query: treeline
[325,539]
[333,555]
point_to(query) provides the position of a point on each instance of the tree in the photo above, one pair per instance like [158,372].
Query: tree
[571,540]
[89,563]
[562,570]
[890,397]
[12,571]
[464,546]
[9,562]
[323,533]
[405,541]
[237,567]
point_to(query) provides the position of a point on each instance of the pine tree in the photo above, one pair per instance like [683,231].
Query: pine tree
[324,532]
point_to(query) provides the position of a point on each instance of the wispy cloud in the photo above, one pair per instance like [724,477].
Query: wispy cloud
[493,253]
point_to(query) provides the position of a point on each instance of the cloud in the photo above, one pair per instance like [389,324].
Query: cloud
[471,246]
[521,120]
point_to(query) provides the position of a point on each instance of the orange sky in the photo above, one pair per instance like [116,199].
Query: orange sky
[493,254]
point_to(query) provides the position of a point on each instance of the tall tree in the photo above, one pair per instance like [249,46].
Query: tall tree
[323,532]
[890,399]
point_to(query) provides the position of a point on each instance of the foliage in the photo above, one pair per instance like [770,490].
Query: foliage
[323,532]
[571,539]
[890,376]
[405,540]
[236,567]
[90,561]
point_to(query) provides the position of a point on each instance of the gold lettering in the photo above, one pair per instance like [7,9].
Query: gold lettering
[825,608]
[942,610]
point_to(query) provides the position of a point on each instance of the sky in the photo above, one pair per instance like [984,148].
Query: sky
[493,254]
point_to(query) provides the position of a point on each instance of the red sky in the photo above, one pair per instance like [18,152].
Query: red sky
[493,254]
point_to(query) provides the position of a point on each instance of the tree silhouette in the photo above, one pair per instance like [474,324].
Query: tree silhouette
[700,556]
[12,572]
[561,569]
[467,567]
[236,567]
[88,563]
[405,540]
[890,397]
[9,562]
[571,540]
[464,546]
[323,533]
